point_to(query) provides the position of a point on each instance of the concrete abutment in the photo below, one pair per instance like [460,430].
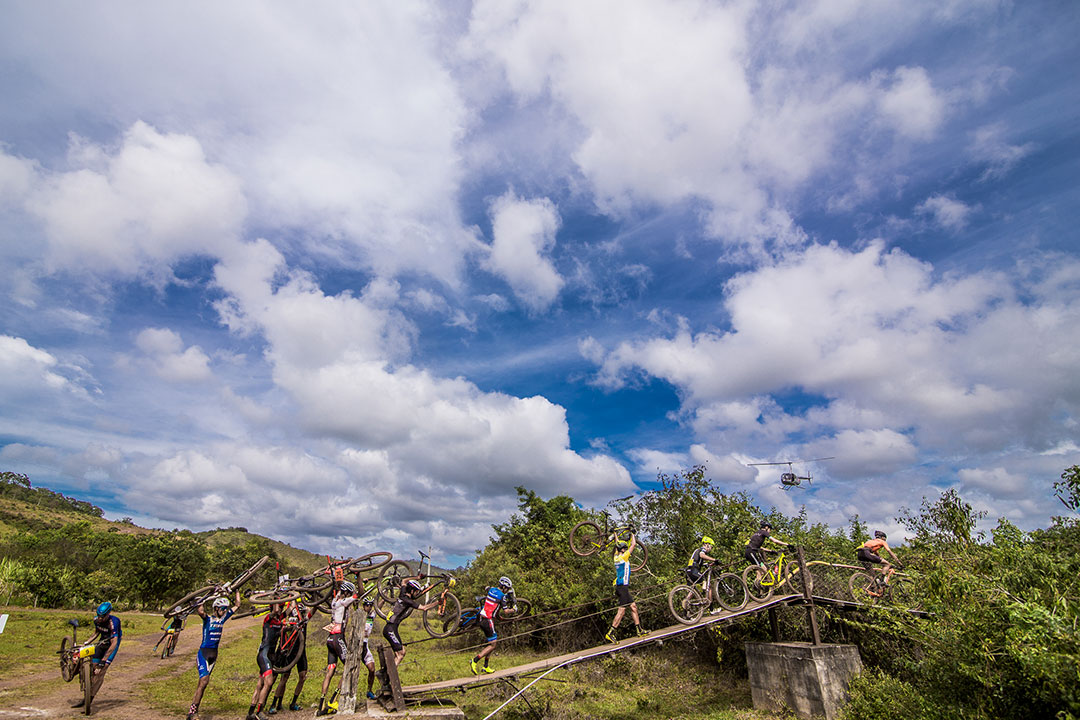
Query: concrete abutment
[810,680]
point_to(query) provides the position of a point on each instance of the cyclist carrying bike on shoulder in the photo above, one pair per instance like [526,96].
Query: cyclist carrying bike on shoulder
[407,601]
[108,633]
[206,658]
[500,596]
[299,615]
[336,648]
[621,558]
[754,552]
[869,551]
[271,631]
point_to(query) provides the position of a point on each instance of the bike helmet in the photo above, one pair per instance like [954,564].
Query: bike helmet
[348,588]
[706,540]
[766,524]
[104,608]
[504,582]
[412,587]
[369,601]
[221,603]
[622,545]
[880,535]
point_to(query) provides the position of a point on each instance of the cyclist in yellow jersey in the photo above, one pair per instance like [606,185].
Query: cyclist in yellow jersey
[622,588]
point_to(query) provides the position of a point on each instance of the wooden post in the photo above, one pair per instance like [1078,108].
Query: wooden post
[808,597]
[774,625]
[350,671]
[389,668]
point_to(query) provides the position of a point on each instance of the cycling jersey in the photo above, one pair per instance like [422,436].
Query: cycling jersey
[107,627]
[271,630]
[757,539]
[339,612]
[695,560]
[622,568]
[211,629]
[495,599]
[402,609]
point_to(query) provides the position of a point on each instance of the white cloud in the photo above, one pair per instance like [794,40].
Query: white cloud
[949,213]
[989,146]
[169,359]
[652,461]
[997,482]
[911,105]
[523,233]
[26,370]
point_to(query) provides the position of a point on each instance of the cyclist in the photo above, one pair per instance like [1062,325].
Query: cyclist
[296,614]
[172,632]
[622,588]
[336,648]
[499,596]
[365,650]
[407,601]
[108,634]
[754,552]
[271,630]
[206,658]
[869,551]
[695,566]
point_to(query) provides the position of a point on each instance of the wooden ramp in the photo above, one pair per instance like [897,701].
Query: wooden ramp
[444,687]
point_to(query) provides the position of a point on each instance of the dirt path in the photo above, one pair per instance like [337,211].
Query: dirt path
[121,695]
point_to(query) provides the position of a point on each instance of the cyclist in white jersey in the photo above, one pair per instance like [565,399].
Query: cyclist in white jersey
[336,649]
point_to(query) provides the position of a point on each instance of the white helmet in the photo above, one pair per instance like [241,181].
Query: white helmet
[505,582]
[348,588]
[221,603]
[413,587]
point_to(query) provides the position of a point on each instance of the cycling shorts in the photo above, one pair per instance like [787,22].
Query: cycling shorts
[301,664]
[390,632]
[336,650]
[100,649]
[204,661]
[869,557]
[365,655]
[622,592]
[263,660]
[487,626]
[754,555]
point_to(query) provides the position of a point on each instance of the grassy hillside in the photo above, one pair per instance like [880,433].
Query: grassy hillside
[296,557]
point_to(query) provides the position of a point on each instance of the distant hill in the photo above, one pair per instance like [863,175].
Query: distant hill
[296,557]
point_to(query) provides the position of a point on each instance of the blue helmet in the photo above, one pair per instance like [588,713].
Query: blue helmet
[104,608]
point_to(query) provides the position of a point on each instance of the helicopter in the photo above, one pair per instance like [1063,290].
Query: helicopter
[790,479]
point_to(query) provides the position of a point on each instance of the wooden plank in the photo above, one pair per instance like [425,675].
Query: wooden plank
[386,656]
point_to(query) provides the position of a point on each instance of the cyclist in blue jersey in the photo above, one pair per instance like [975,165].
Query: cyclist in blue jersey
[206,658]
[108,633]
[622,588]
[499,596]
[297,614]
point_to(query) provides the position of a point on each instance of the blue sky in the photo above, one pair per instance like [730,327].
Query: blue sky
[347,275]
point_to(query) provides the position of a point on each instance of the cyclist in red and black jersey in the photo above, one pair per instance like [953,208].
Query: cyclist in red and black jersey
[271,629]
[298,614]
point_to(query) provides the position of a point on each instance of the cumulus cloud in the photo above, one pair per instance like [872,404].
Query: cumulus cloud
[169,359]
[949,213]
[26,370]
[996,481]
[911,105]
[523,233]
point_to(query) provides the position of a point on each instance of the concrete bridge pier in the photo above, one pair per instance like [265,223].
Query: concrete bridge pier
[809,680]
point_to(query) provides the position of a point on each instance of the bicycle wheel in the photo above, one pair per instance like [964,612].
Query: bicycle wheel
[730,591]
[189,602]
[639,556]
[382,608]
[860,585]
[685,604]
[67,665]
[586,538]
[165,649]
[246,575]
[444,623]
[369,562]
[86,680]
[391,576]
[272,597]
[791,584]
[289,648]
[524,610]
[756,578]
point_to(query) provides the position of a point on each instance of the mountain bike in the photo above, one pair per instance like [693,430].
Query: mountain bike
[440,621]
[763,580]
[75,661]
[870,587]
[687,604]
[169,636]
[187,604]
[587,538]
[317,588]
[470,618]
